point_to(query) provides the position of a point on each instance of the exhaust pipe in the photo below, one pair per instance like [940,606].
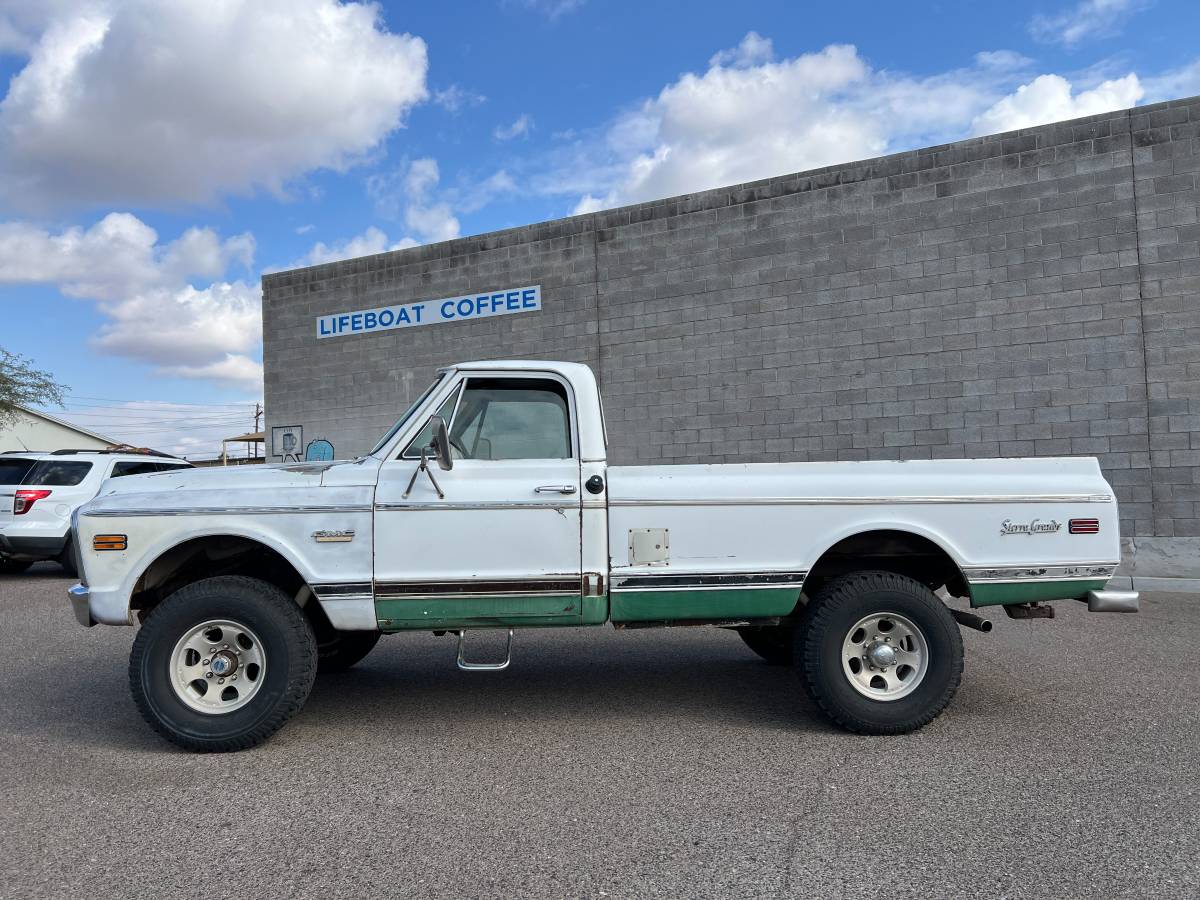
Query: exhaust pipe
[968,620]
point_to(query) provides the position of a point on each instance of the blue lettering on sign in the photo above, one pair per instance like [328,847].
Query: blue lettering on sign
[449,309]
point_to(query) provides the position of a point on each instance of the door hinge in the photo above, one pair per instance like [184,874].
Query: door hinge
[593,584]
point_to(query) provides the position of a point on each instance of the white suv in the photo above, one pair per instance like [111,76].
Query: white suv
[39,491]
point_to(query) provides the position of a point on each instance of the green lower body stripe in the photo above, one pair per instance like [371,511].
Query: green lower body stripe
[735,603]
[999,593]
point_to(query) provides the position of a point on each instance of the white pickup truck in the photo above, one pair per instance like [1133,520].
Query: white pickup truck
[490,504]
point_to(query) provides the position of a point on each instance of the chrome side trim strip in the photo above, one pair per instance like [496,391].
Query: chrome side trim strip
[342,589]
[224,510]
[711,581]
[865,501]
[1071,572]
[477,587]
[478,505]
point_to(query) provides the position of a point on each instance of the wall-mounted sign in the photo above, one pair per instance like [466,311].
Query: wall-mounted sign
[431,312]
[286,441]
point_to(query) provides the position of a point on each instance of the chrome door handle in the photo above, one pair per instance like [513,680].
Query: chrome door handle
[555,489]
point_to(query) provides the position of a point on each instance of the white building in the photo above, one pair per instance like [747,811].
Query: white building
[34,430]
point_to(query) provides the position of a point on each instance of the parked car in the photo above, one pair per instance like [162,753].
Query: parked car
[13,466]
[248,581]
[40,491]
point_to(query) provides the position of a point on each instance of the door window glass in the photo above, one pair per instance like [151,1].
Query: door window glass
[512,418]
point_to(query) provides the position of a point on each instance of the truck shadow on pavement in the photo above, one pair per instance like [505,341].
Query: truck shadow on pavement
[409,684]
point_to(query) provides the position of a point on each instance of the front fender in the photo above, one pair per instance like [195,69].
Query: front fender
[111,576]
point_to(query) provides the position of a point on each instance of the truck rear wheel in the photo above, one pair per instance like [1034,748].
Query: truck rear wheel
[772,642]
[222,664]
[880,653]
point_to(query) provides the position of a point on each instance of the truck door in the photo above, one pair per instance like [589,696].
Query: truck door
[502,546]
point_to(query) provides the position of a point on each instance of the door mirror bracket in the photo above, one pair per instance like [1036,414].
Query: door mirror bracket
[440,445]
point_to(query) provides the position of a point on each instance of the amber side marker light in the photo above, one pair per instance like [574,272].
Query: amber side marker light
[110,542]
[1084,526]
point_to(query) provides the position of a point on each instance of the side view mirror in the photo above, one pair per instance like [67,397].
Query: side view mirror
[440,444]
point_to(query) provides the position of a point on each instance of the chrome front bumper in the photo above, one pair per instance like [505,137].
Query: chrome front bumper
[1112,601]
[81,600]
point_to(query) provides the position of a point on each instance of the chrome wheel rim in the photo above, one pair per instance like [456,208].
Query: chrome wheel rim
[217,666]
[885,656]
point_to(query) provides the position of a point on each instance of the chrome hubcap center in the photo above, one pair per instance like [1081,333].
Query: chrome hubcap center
[881,655]
[224,663]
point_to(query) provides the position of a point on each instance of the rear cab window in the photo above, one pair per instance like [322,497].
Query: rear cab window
[57,473]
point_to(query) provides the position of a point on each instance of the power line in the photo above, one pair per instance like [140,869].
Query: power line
[155,402]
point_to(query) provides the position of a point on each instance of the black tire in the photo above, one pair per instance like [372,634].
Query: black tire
[772,642]
[339,650]
[841,604]
[287,641]
[14,566]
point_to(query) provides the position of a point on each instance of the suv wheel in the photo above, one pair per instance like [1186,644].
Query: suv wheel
[222,664]
[13,566]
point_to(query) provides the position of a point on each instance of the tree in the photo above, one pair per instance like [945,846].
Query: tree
[23,385]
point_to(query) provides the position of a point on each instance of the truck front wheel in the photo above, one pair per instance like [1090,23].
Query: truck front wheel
[880,653]
[222,664]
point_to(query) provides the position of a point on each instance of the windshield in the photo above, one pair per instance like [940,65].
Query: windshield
[403,420]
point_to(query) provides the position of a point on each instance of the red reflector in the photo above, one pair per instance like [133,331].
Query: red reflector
[24,500]
[1084,526]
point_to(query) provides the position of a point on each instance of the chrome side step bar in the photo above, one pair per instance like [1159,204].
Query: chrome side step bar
[482,667]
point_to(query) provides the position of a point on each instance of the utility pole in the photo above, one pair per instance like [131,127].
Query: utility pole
[258,413]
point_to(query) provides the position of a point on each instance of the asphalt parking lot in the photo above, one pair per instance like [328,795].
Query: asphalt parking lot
[668,763]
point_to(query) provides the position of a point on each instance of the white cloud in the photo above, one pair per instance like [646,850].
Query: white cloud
[520,128]
[551,9]
[1005,60]
[1050,98]
[144,288]
[1174,83]
[1086,20]
[754,50]
[454,99]
[413,194]
[139,101]
[750,116]
[368,243]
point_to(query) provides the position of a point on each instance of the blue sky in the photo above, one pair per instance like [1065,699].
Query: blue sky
[156,158]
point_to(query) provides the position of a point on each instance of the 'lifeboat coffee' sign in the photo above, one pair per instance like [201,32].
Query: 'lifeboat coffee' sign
[431,312]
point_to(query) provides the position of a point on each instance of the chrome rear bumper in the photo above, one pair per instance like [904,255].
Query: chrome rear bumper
[1112,601]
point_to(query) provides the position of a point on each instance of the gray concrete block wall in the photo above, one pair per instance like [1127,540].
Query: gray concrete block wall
[1030,293]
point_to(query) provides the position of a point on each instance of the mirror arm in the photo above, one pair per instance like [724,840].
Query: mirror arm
[423,467]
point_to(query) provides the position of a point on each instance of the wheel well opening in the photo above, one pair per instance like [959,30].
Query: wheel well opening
[900,552]
[207,557]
